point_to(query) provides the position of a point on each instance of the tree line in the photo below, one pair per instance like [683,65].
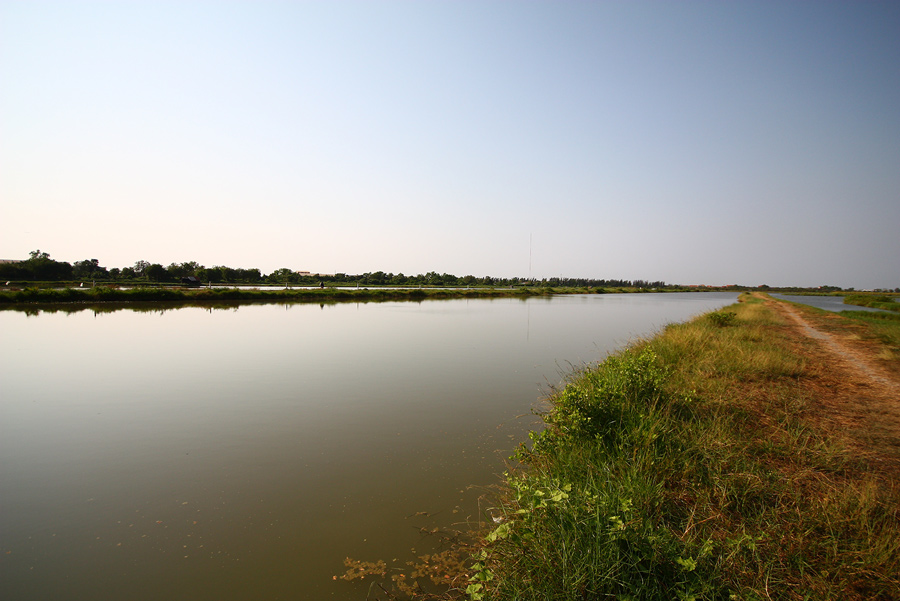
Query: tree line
[39,267]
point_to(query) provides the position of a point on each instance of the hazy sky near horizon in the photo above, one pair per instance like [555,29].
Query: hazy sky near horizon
[691,142]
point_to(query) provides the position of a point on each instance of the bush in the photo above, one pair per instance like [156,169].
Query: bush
[722,319]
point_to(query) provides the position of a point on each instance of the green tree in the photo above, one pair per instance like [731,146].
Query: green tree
[250,276]
[155,272]
[375,279]
[174,272]
[89,269]
[191,267]
[39,267]
[210,274]
[228,274]
[140,268]
[283,276]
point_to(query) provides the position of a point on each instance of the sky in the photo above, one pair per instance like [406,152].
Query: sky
[691,142]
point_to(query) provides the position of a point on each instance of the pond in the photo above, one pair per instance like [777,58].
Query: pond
[828,303]
[243,453]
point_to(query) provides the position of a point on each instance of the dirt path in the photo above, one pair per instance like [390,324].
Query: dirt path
[853,393]
[855,361]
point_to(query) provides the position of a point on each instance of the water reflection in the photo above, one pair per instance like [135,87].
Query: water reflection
[35,309]
[238,452]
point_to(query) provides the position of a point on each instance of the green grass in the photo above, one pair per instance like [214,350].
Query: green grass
[690,467]
[875,301]
[883,326]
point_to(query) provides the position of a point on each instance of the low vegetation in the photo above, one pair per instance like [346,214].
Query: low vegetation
[875,301]
[884,327]
[696,465]
[722,319]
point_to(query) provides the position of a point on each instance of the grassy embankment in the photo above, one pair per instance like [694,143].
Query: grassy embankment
[875,301]
[103,294]
[696,465]
[884,327]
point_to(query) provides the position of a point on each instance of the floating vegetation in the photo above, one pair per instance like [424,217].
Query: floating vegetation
[360,569]
[441,574]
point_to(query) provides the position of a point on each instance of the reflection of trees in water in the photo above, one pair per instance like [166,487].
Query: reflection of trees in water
[35,309]
[103,299]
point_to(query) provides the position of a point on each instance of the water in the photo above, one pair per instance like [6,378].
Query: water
[242,453]
[828,303]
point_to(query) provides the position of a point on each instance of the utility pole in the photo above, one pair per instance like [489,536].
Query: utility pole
[529,255]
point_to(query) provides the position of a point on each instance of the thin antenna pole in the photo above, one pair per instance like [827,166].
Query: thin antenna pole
[529,255]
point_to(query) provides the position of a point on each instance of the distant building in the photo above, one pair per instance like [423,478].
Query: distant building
[191,281]
[311,274]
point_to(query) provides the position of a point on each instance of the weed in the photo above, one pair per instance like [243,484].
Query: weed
[722,318]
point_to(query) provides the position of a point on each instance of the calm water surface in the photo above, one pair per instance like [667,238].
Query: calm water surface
[828,303]
[243,453]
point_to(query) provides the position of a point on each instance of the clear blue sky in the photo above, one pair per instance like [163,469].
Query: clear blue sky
[691,142]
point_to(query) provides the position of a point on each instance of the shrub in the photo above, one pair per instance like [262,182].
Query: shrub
[722,319]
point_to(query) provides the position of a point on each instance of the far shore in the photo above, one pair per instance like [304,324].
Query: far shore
[55,295]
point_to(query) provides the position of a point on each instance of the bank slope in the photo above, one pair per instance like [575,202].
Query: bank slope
[697,465]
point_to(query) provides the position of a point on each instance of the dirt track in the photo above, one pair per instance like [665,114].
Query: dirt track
[854,392]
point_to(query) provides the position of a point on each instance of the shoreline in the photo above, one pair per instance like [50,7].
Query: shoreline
[202,296]
[178,296]
[752,452]
[750,455]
